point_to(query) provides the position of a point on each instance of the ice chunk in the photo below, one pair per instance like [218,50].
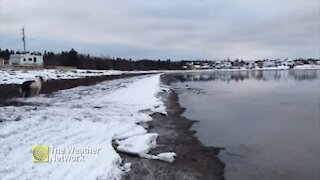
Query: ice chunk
[167,156]
[140,144]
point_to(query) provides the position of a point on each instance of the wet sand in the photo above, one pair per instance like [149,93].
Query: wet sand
[193,160]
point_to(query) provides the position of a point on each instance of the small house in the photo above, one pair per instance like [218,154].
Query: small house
[28,59]
[2,61]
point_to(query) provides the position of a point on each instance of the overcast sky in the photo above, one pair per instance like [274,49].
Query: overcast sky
[176,29]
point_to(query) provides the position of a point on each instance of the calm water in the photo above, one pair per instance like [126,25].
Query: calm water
[268,121]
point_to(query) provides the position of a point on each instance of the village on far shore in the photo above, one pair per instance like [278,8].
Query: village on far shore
[36,60]
[255,64]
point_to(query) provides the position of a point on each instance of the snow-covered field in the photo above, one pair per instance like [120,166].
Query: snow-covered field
[85,116]
[19,76]
[307,67]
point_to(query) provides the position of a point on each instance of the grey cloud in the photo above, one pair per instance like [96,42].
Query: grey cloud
[161,29]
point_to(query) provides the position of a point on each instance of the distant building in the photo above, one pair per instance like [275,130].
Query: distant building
[2,61]
[288,63]
[205,65]
[27,59]
[250,65]
[269,63]
[298,62]
[197,66]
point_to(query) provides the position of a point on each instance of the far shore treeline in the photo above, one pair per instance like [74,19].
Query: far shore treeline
[81,61]
[84,61]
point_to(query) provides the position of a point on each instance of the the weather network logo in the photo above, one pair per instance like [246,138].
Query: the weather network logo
[40,153]
[44,153]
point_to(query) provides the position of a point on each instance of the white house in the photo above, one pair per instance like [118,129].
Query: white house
[288,63]
[205,65]
[251,65]
[28,59]
[2,61]
[269,63]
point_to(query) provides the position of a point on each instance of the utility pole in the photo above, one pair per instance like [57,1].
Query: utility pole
[24,40]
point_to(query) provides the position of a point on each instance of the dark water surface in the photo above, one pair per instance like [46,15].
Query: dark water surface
[268,121]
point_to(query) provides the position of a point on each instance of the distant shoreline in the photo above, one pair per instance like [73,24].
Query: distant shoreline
[316,67]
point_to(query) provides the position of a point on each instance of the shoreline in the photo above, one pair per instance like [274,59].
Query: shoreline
[9,91]
[193,159]
[233,70]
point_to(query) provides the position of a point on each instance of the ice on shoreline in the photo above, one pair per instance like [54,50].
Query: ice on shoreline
[85,116]
[140,144]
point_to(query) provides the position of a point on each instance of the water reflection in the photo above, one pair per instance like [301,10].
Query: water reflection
[267,121]
[284,75]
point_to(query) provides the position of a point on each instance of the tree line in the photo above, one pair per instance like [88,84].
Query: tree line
[81,61]
[74,59]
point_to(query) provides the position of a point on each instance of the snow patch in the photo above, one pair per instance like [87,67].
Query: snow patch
[307,67]
[85,116]
[19,76]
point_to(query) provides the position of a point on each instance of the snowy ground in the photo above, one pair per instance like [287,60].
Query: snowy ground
[85,116]
[307,67]
[19,76]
